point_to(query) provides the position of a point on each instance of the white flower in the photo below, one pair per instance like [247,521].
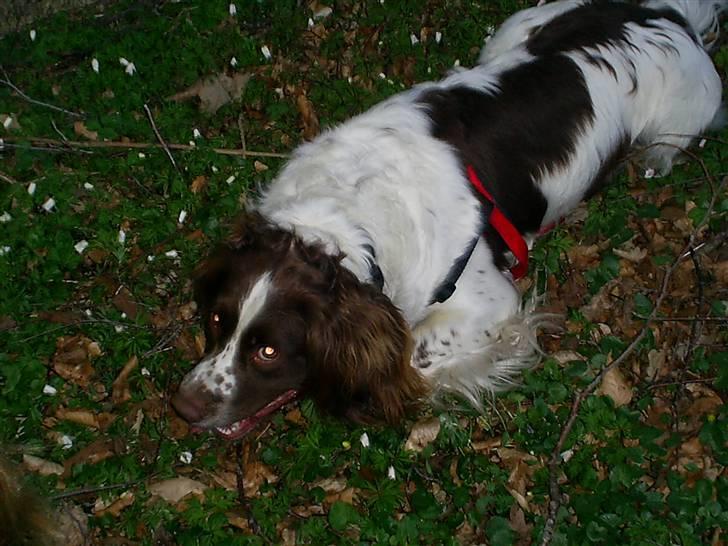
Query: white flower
[310,23]
[81,246]
[145,372]
[567,455]
[32,35]
[214,169]
[171,254]
[182,216]
[230,179]
[192,143]
[121,237]
[196,133]
[50,390]
[123,61]
[232,9]
[438,37]
[130,69]
[266,52]
[4,250]
[649,173]
[2,144]
[7,122]
[88,186]
[414,40]
[142,155]
[456,63]
[123,315]
[382,76]
[364,439]
[88,313]
[119,328]
[66,441]
[150,258]
[391,474]
[233,62]
[95,65]
[5,218]
[31,188]
[186,456]
[49,204]
[702,143]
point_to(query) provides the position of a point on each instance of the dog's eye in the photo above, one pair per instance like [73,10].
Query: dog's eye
[266,354]
[215,322]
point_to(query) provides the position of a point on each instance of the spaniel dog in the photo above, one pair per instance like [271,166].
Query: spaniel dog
[378,267]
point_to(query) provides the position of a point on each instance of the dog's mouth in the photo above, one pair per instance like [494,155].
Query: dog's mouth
[240,428]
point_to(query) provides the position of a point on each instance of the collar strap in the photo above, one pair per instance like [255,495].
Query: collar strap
[503,226]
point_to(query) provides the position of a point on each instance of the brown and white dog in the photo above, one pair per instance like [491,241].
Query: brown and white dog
[373,271]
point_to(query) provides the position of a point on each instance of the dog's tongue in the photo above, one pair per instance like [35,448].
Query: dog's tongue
[242,427]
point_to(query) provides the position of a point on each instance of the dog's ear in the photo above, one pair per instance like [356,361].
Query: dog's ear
[253,232]
[359,350]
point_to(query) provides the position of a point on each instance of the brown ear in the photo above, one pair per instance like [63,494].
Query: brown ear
[252,231]
[360,350]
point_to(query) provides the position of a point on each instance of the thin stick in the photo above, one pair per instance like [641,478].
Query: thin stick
[70,144]
[94,489]
[555,498]
[7,178]
[12,86]
[159,137]
[241,130]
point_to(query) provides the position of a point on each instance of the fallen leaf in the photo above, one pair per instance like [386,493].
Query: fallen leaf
[41,466]
[198,184]
[124,302]
[85,417]
[616,387]
[308,117]
[256,474]
[259,166]
[175,489]
[423,433]
[94,453]
[517,519]
[12,124]
[214,91]
[120,392]
[79,127]
[7,323]
[72,359]
[125,500]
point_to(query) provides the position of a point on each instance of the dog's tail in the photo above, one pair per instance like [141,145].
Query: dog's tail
[701,15]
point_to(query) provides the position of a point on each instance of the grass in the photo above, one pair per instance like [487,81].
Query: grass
[649,469]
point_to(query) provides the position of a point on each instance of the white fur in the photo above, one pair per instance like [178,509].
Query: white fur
[382,180]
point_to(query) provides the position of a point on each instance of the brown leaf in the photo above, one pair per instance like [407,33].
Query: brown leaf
[259,166]
[174,490]
[615,386]
[79,127]
[60,317]
[41,466]
[423,433]
[120,392]
[124,302]
[256,474]
[95,452]
[7,323]
[125,500]
[72,359]
[86,418]
[308,117]
[214,91]
[199,184]
[517,519]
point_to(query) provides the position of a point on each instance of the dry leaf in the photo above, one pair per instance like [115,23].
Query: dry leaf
[423,433]
[13,124]
[214,91]
[85,417]
[125,500]
[259,166]
[72,359]
[308,116]
[175,489]
[41,466]
[256,474]
[120,392]
[199,184]
[616,387]
[95,452]
[124,302]
[81,130]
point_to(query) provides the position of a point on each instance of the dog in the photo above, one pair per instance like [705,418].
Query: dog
[378,268]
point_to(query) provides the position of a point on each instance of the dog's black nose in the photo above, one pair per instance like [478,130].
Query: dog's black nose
[191,408]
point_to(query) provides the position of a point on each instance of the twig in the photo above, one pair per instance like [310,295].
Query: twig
[681,383]
[94,489]
[70,144]
[555,499]
[159,137]
[12,86]
[241,130]
[57,130]
[7,178]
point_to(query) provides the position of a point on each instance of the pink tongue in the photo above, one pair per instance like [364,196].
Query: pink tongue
[242,427]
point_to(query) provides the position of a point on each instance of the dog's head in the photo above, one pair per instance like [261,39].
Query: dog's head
[283,318]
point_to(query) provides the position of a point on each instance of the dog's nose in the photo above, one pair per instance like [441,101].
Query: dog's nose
[190,407]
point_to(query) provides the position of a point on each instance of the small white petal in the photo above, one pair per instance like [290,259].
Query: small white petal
[145,372]
[88,186]
[702,143]
[88,313]
[414,40]
[50,390]
[232,9]
[5,218]
[364,439]
[2,144]
[95,65]
[8,122]
[182,216]
[490,29]
[185,457]
[215,169]
[121,237]
[310,23]
[119,328]
[123,61]
[456,63]
[81,246]
[196,133]
[566,455]
[266,52]
[171,254]
[32,35]
[31,188]
[279,92]
[49,204]
[429,70]
[438,37]
[230,179]
[233,62]
[150,258]
[142,155]
[350,79]
[4,250]
[390,473]
[66,441]
[123,315]
[192,143]
[649,173]
[130,69]
[382,76]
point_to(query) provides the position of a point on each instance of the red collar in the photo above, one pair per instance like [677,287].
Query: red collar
[503,226]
